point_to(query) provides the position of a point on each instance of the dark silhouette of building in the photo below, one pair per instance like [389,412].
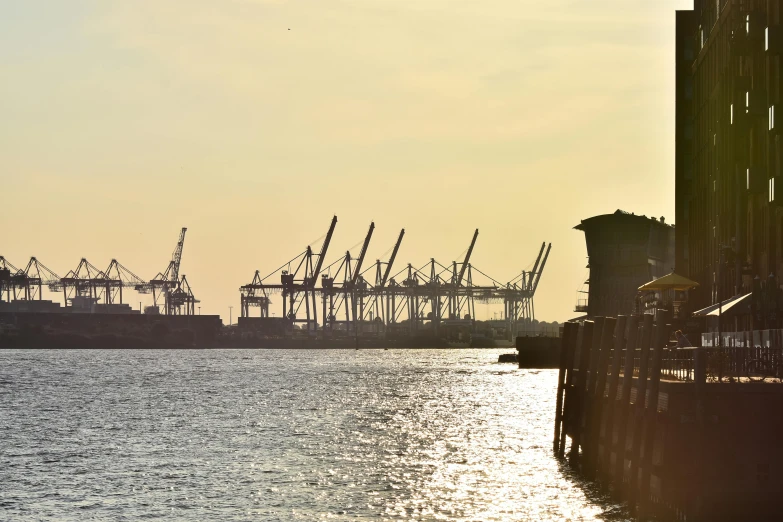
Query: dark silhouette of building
[624,252]
[728,146]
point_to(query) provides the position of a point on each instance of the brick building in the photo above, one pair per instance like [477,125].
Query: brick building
[728,146]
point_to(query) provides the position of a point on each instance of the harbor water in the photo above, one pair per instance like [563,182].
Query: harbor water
[282,435]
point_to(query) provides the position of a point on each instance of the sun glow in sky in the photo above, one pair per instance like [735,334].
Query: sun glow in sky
[252,122]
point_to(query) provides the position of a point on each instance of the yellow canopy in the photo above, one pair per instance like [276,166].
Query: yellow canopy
[670,282]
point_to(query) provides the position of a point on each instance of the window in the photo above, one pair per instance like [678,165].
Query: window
[747,24]
[766,38]
[772,117]
[771,190]
[747,179]
[731,114]
[747,101]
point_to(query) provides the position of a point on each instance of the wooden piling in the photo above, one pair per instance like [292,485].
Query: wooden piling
[567,344]
[651,421]
[598,332]
[575,422]
[604,468]
[589,393]
[597,400]
[569,394]
[638,411]
[625,405]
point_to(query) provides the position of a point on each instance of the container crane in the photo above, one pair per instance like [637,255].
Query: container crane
[358,286]
[164,283]
[117,278]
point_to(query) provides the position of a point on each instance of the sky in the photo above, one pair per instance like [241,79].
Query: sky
[252,122]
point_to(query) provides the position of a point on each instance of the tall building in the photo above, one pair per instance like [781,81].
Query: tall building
[728,146]
[624,252]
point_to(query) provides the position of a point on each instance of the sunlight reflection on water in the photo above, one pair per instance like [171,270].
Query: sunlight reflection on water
[282,435]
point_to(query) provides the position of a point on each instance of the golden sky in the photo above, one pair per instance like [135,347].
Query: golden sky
[252,122]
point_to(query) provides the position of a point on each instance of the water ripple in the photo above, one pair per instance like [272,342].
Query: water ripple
[281,435]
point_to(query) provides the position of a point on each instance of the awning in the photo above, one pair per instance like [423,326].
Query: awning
[670,282]
[737,305]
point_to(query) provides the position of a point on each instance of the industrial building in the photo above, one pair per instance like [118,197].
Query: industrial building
[728,147]
[624,252]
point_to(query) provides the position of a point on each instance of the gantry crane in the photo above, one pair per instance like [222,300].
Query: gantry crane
[118,277]
[163,284]
[26,284]
[83,287]
[297,285]
[181,300]
[433,293]
[382,303]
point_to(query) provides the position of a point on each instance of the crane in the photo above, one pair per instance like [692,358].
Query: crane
[360,261]
[467,258]
[164,283]
[392,258]
[10,276]
[538,261]
[117,278]
[537,275]
[357,286]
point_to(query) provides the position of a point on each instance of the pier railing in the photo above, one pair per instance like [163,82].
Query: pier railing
[728,363]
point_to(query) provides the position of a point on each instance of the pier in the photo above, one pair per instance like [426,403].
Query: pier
[682,434]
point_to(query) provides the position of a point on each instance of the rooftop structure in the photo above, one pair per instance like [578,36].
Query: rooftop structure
[624,251]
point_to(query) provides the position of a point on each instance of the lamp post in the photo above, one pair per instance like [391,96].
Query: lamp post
[199,310]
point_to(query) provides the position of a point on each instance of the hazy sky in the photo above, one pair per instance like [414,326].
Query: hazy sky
[252,122]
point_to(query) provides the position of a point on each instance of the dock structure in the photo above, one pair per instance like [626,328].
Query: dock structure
[682,434]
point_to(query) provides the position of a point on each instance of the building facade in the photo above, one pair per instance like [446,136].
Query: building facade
[728,146]
[624,252]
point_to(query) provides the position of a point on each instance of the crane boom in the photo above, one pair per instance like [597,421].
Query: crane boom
[538,260]
[324,248]
[467,258]
[4,263]
[360,261]
[541,270]
[37,269]
[391,259]
[176,257]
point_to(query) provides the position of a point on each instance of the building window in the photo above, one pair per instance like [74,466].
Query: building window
[747,179]
[771,190]
[766,38]
[772,117]
[731,114]
[747,101]
[747,24]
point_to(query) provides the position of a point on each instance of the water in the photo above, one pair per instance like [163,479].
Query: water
[282,435]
